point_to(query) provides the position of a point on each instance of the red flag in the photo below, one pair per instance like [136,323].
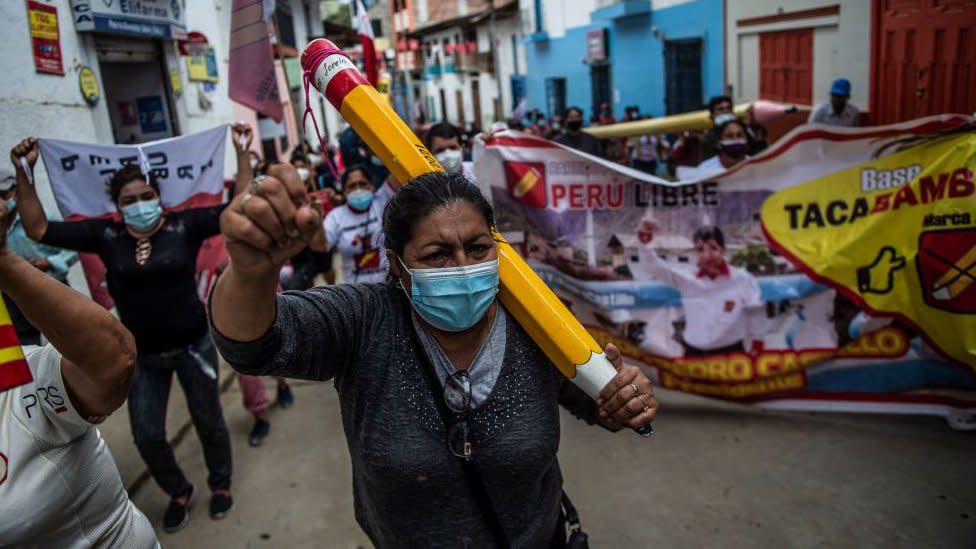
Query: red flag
[365,30]
[253,81]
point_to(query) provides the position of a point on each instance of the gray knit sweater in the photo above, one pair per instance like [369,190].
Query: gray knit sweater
[409,490]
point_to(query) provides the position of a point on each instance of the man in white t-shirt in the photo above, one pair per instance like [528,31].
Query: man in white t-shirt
[723,304]
[59,486]
[355,228]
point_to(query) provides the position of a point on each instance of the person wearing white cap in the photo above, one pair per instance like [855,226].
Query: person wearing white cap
[838,111]
[52,260]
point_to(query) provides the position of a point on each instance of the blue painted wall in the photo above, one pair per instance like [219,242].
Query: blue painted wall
[637,57]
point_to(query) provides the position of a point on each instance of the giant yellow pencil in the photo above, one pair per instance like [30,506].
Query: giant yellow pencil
[543,316]
[762,111]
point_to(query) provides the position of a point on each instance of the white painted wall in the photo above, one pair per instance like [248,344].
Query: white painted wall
[841,45]
[559,15]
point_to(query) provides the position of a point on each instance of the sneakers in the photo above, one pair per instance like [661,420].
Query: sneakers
[178,511]
[220,504]
[285,398]
[258,432]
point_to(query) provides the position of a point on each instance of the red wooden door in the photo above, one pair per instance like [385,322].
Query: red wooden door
[924,59]
[786,66]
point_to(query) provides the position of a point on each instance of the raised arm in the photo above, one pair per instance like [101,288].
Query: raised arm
[98,352]
[28,204]
[262,228]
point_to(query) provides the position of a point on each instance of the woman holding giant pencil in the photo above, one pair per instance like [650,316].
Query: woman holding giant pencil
[450,409]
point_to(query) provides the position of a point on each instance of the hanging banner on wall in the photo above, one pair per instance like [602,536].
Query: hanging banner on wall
[189,170]
[835,270]
[45,38]
[202,67]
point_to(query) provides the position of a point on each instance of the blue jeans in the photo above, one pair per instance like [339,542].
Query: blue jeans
[196,369]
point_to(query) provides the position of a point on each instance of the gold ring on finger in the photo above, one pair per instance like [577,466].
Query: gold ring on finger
[644,402]
[636,390]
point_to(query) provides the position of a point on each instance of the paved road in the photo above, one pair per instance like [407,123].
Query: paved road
[714,475]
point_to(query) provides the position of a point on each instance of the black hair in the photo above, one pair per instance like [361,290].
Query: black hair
[297,155]
[714,102]
[420,197]
[709,232]
[125,175]
[444,130]
[361,168]
[571,109]
[721,129]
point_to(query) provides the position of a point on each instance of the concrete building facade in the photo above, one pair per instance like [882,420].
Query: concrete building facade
[127,66]
[456,60]
[663,56]
[817,41]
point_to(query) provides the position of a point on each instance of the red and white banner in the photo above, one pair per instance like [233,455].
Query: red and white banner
[365,30]
[787,281]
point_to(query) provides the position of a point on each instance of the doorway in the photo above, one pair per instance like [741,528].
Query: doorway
[924,59]
[137,93]
[600,86]
[682,75]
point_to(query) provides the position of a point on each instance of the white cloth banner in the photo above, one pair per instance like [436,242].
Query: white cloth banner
[185,167]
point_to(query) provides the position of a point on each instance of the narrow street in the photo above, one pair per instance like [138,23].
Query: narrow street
[713,475]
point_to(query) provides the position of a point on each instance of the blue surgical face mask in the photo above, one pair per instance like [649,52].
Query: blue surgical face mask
[11,204]
[360,199]
[142,215]
[453,299]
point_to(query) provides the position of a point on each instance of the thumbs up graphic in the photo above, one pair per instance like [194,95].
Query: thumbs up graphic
[878,277]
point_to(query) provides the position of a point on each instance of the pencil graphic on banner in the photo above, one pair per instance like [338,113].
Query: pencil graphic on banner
[13,366]
[536,308]
[526,184]
[959,276]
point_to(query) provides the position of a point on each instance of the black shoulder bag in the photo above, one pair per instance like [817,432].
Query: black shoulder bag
[577,537]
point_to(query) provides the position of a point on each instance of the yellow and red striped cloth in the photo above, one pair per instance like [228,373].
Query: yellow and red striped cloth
[13,366]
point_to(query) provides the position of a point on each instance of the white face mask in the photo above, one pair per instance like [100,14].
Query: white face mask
[303,173]
[451,159]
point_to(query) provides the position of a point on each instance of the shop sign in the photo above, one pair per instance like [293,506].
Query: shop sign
[176,82]
[596,45]
[88,85]
[202,68]
[45,38]
[162,19]
[195,43]
[152,116]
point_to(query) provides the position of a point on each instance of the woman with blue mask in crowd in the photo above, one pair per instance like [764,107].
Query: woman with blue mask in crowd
[355,229]
[150,262]
[450,410]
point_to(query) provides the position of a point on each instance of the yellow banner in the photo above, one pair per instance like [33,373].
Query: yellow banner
[896,235]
